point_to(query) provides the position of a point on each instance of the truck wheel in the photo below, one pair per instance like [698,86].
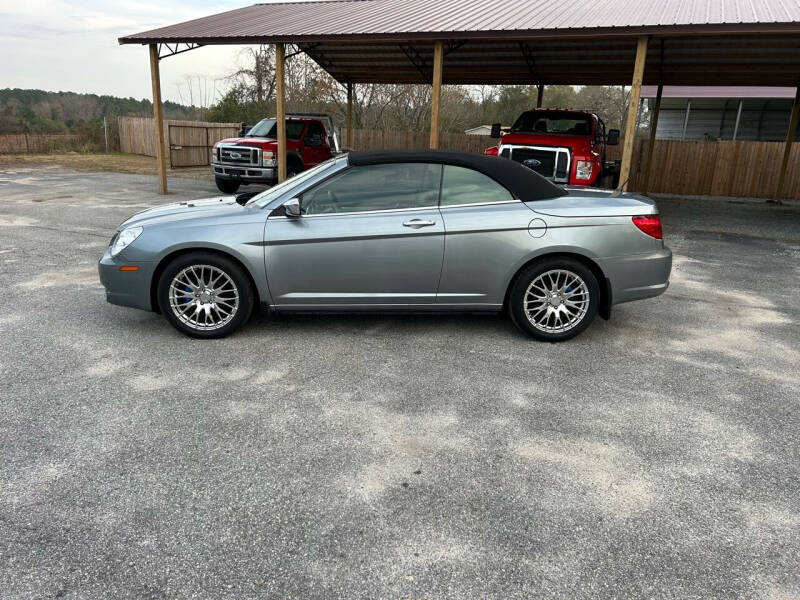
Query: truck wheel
[293,167]
[227,187]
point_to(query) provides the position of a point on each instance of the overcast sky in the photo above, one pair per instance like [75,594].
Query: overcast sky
[71,45]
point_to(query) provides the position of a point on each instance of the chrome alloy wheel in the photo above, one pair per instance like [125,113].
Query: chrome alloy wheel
[556,301]
[203,297]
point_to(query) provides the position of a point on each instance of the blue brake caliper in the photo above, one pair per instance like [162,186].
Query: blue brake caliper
[188,290]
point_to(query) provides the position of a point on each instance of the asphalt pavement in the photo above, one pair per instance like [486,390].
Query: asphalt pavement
[655,456]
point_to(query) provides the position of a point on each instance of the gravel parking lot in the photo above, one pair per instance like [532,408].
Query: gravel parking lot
[656,456]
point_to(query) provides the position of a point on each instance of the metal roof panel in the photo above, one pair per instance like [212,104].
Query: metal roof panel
[394,18]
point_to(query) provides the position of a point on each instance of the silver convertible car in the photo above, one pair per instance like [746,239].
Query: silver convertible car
[393,231]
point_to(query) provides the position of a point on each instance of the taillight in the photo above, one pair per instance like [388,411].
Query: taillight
[650,224]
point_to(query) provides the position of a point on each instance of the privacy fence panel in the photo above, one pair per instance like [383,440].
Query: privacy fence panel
[36,142]
[187,143]
[373,139]
[716,168]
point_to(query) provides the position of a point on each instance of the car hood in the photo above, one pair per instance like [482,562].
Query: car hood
[219,206]
[544,139]
[256,142]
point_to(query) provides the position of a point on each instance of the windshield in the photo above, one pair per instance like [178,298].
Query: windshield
[267,128]
[553,122]
[276,191]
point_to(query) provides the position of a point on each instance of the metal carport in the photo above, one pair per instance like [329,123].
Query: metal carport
[538,42]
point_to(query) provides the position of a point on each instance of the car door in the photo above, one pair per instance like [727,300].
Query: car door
[370,236]
[487,233]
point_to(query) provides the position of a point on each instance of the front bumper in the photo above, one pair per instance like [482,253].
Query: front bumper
[638,276]
[244,174]
[126,288]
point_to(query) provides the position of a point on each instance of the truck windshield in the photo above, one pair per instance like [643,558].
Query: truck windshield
[555,122]
[267,128]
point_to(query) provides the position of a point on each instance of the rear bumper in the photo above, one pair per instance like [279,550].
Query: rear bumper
[126,288]
[244,174]
[638,276]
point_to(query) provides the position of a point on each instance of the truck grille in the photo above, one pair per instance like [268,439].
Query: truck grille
[551,163]
[239,155]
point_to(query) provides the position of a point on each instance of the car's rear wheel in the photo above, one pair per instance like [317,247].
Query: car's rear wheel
[555,299]
[226,186]
[205,295]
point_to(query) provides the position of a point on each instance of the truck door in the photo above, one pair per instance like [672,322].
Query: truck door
[316,148]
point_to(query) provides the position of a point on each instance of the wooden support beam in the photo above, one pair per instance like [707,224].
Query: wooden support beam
[633,105]
[280,108]
[158,118]
[436,96]
[652,143]
[738,120]
[539,95]
[686,118]
[787,151]
[349,142]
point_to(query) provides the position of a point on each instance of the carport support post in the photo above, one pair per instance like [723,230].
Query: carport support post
[280,108]
[436,96]
[349,142]
[158,117]
[787,151]
[633,113]
[652,143]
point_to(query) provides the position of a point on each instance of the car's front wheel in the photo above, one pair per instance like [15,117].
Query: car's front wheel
[555,299]
[205,295]
[227,186]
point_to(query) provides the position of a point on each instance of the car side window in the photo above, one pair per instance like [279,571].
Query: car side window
[315,135]
[461,185]
[294,129]
[375,187]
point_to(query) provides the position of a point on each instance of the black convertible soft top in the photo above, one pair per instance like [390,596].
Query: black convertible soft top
[521,181]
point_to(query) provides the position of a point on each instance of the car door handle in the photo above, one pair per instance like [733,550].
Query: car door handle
[417,223]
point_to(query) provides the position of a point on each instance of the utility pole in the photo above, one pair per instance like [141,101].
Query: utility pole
[105,131]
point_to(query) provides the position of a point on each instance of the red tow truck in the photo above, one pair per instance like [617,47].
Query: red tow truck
[565,146]
[252,157]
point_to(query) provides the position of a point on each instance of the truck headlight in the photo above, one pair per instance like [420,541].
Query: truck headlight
[125,239]
[583,169]
[268,159]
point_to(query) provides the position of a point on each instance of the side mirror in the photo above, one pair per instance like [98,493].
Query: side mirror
[292,208]
[612,137]
[496,129]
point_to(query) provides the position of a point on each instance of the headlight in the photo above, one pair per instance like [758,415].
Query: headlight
[584,169]
[268,159]
[125,239]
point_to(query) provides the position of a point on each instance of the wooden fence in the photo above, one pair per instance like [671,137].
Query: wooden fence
[373,139]
[724,168]
[187,143]
[34,142]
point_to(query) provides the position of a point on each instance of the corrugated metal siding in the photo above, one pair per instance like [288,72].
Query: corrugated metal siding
[393,17]
[761,124]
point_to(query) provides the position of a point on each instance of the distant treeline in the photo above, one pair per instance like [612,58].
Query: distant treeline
[39,111]
[42,112]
